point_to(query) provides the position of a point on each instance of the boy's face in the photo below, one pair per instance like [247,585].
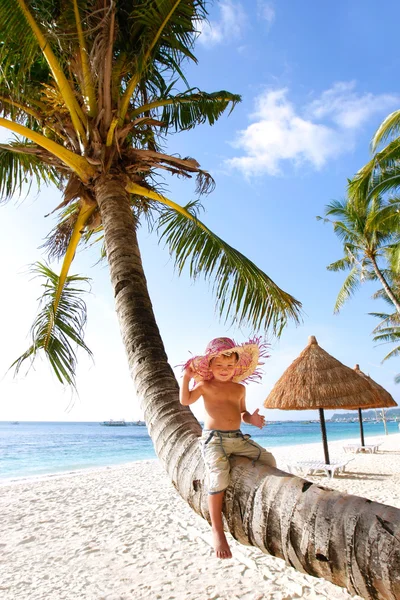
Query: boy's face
[223,367]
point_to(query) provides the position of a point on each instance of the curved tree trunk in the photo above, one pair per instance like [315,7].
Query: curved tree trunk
[350,541]
[385,285]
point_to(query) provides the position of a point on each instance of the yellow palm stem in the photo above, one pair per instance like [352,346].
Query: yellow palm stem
[135,79]
[33,113]
[110,134]
[77,116]
[25,109]
[135,188]
[77,163]
[85,213]
[88,91]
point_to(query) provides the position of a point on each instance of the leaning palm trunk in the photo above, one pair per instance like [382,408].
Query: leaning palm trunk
[386,287]
[350,541]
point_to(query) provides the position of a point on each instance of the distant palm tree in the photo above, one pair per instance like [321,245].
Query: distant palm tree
[366,242]
[382,173]
[388,329]
[92,87]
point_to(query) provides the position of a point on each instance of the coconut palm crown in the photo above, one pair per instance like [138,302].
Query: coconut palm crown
[381,174]
[91,89]
[368,238]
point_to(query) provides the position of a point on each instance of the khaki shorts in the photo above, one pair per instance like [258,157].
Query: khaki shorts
[216,448]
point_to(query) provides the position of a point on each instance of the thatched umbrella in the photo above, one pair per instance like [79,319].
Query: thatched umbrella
[316,380]
[386,400]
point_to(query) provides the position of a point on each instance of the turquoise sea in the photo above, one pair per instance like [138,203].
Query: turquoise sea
[29,449]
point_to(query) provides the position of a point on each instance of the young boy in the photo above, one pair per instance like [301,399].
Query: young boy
[217,374]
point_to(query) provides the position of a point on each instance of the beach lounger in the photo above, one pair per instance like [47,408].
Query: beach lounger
[313,467]
[355,448]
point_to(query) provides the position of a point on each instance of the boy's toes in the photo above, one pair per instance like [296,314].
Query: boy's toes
[221,546]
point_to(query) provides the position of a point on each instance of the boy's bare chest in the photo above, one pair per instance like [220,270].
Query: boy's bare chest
[229,401]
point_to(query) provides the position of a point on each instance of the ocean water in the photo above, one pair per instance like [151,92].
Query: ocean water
[30,449]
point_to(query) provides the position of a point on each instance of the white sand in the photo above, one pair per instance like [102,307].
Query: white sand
[123,532]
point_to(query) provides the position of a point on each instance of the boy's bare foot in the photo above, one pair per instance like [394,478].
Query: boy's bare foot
[221,546]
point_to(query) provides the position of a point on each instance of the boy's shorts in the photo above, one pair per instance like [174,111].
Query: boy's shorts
[216,448]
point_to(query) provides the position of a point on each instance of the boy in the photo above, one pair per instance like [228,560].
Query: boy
[217,374]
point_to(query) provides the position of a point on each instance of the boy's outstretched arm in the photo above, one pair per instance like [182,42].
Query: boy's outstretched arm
[252,419]
[187,397]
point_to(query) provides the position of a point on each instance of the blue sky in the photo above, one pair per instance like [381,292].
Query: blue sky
[316,80]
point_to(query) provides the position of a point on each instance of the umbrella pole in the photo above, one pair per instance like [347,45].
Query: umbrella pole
[361,427]
[324,438]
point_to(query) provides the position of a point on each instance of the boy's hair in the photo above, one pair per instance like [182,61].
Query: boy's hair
[226,355]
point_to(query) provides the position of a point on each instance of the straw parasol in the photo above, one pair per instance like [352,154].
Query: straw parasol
[386,400]
[316,380]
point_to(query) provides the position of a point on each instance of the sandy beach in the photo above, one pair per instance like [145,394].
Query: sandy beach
[123,532]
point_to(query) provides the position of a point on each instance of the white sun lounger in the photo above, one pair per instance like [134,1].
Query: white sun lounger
[313,467]
[355,448]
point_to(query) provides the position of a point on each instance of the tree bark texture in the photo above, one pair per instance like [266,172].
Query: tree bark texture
[350,541]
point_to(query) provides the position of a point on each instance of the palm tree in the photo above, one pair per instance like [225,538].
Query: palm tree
[382,173]
[388,329]
[93,92]
[366,241]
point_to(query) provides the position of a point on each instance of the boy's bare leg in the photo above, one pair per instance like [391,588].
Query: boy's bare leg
[221,546]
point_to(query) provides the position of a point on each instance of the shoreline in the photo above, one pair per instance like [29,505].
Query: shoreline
[126,461]
[123,532]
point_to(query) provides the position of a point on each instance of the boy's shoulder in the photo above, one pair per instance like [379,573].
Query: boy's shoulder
[238,386]
[240,389]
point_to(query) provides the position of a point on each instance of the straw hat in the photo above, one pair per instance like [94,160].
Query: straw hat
[246,367]
[386,400]
[317,380]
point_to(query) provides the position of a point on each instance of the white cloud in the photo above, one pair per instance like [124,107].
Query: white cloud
[266,11]
[281,132]
[348,109]
[229,26]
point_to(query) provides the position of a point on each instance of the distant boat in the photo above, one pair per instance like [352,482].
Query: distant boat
[112,423]
[15,423]
[139,423]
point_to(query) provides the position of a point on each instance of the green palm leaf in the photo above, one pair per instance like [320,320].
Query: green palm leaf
[240,287]
[349,287]
[343,264]
[185,111]
[359,188]
[19,168]
[57,333]
[16,58]
[384,180]
[389,128]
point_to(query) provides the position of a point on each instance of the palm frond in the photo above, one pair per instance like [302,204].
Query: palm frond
[343,264]
[384,180]
[386,320]
[16,58]
[359,188]
[389,128]
[19,168]
[243,292]
[163,33]
[388,334]
[56,333]
[393,255]
[185,111]
[349,287]
[392,354]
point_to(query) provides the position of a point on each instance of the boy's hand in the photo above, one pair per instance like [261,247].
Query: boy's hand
[257,420]
[189,372]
